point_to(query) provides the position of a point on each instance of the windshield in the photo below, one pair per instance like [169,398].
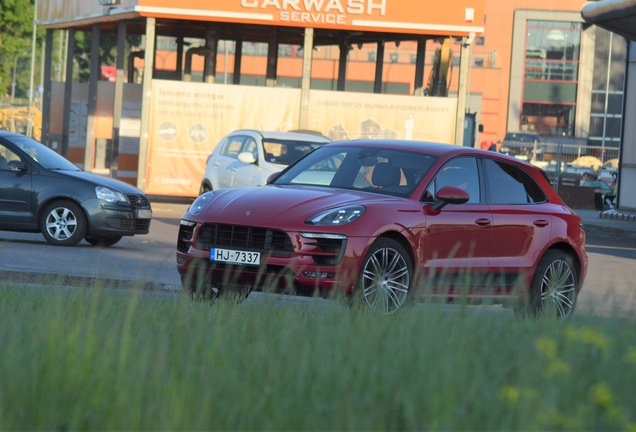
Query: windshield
[42,154]
[285,152]
[380,170]
[521,137]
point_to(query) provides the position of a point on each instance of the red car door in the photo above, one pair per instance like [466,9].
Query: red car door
[457,238]
[521,223]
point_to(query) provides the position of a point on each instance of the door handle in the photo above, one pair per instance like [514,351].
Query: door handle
[482,222]
[541,223]
[233,169]
[217,164]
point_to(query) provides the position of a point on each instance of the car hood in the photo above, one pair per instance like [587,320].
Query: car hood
[280,205]
[98,180]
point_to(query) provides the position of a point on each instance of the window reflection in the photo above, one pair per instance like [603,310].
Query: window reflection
[551,77]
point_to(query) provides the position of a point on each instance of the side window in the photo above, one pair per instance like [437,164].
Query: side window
[460,172]
[233,146]
[534,191]
[252,147]
[504,184]
[7,156]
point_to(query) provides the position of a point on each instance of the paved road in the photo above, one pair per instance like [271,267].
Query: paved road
[150,259]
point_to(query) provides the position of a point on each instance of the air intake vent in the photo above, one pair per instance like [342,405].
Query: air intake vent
[244,237]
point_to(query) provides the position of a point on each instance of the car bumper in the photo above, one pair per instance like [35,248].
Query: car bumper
[296,272]
[117,219]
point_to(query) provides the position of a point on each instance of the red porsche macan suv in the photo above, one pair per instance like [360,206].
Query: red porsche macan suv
[389,222]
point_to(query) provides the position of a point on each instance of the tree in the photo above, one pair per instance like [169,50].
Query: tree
[107,51]
[16,27]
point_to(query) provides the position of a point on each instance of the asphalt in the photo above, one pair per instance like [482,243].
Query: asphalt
[609,222]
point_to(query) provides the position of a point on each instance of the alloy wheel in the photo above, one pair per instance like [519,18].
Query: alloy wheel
[385,280]
[61,223]
[558,289]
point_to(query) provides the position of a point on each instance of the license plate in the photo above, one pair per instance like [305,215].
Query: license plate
[144,214]
[235,257]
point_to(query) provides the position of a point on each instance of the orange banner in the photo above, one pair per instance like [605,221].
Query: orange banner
[189,119]
[349,115]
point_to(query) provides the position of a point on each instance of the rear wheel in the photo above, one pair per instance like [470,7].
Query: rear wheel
[385,278]
[63,223]
[103,241]
[554,286]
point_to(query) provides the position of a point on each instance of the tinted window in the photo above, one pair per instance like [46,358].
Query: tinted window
[42,154]
[380,170]
[285,152]
[6,156]
[233,146]
[535,193]
[459,172]
[507,184]
[522,137]
[251,147]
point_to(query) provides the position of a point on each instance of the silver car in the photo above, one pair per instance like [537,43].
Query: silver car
[248,157]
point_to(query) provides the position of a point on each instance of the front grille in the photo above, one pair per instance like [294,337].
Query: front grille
[332,251]
[139,201]
[244,237]
[123,224]
[142,226]
[185,235]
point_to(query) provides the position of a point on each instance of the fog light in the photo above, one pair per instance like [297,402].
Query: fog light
[181,261]
[318,275]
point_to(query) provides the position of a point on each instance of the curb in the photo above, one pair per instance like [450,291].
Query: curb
[600,229]
[78,281]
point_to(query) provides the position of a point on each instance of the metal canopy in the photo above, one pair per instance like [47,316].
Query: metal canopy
[252,33]
[618,16]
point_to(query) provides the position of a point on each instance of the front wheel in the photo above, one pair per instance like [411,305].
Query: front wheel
[386,277]
[205,188]
[554,287]
[63,223]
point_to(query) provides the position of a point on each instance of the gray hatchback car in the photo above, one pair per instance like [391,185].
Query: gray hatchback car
[40,191]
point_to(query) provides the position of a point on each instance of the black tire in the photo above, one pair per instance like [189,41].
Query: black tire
[386,277]
[199,289]
[102,241]
[204,188]
[63,223]
[554,287]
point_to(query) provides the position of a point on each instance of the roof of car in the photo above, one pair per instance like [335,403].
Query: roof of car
[296,136]
[432,148]
[9,133]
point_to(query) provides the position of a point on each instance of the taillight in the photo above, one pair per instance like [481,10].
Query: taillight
[208,159]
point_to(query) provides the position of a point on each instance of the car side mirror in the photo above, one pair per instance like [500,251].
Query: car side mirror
[272,177]
[246,157]
[450,195]
[16,165]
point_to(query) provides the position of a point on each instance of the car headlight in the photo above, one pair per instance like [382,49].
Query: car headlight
[109,195]
[337,216]
[200,203]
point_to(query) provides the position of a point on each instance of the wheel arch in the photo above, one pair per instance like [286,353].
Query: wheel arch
[51,200]
[205,182]
[569,250]
[403,241]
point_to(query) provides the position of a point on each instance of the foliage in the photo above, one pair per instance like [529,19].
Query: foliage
[96,360]
[16,31]
[107,51]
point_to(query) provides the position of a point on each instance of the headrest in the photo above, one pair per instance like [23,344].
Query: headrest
[386,175]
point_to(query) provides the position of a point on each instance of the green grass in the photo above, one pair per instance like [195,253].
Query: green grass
[93,360]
